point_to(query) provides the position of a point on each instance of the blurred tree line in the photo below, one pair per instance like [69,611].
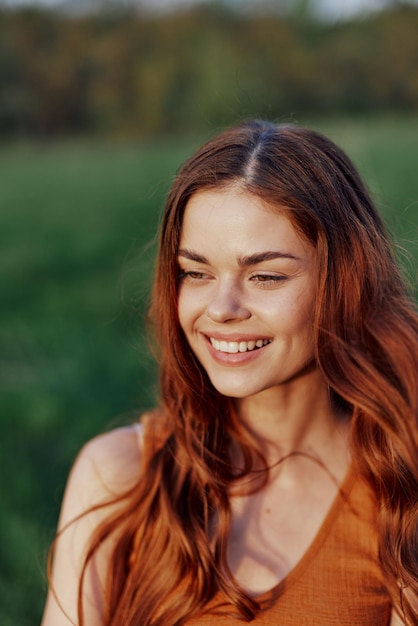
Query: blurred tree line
[134,73]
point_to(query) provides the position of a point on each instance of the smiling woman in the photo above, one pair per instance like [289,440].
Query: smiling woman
[248,284]
[277,482]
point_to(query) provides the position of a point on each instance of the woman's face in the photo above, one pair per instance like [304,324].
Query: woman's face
[247,292]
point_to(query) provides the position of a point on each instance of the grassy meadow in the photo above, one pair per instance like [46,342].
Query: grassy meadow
[77,226]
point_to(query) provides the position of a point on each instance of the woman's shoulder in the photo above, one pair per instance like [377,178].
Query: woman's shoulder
[105,469]
[110,463]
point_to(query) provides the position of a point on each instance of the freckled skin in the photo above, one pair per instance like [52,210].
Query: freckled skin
[224,294]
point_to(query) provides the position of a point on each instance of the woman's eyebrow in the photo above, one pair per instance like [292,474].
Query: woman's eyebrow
[245,261]
[269,255]
[192,256]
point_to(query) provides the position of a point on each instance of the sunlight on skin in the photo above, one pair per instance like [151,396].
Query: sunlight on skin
[247,276]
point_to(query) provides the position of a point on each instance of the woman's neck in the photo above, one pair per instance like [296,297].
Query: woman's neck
[296,417]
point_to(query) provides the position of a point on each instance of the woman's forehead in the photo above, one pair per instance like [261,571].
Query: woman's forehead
[233,219]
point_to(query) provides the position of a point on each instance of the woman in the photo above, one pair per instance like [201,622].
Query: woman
[278,480]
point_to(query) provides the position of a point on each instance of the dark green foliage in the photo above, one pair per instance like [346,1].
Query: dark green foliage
[132,74]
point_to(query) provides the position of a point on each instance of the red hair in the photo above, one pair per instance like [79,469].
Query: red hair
[170,555]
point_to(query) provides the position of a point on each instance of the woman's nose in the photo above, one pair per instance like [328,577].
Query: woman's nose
[227,305]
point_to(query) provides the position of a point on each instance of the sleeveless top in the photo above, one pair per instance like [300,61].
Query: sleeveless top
[338,581]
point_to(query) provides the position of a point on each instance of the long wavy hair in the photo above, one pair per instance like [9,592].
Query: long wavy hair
[169,558]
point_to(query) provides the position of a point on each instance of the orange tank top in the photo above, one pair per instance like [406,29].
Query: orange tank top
[338,582]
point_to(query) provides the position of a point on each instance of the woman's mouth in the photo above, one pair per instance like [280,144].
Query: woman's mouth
[232,347]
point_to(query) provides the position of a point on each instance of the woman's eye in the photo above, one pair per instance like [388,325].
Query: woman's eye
[268,279]
[192,276]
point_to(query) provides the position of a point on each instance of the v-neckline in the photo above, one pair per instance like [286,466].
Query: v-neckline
[322,533]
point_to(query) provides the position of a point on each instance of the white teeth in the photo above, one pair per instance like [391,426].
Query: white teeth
[232,347]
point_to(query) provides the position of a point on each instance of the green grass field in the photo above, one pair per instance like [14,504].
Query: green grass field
[77,225]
